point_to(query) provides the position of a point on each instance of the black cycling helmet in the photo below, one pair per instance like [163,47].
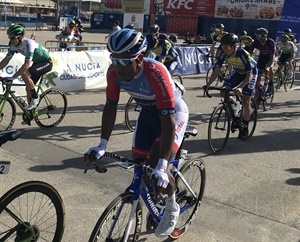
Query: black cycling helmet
[243,33]
[287,31]
[153,29]
[77,21]
[129,26]
[261,32]
[152,40]
[229,39]
[173,38]
[220,26]
[284,38]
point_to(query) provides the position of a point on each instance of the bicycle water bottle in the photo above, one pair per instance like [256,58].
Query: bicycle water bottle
[22,101]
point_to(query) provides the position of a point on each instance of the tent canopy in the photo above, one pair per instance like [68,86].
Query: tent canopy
[12,1]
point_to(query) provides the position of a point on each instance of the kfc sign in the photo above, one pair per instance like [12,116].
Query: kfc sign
[180,7]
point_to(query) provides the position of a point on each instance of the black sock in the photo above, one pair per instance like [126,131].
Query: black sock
[245,123]
[33,94]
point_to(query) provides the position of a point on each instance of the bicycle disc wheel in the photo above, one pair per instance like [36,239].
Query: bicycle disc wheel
[218,128]
[253,119]
[208,74]
[51,108]
[132,112]
[36,205]
[112,223]
[178,78]
[7,113]
[194,174]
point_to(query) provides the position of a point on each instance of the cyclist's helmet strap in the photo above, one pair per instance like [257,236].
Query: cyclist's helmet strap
[128,42]
[229,39]
[15,30]
[153,29]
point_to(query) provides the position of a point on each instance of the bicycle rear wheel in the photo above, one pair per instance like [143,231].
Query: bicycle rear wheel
[218,128]
[51,108]
[132,112]
[112,223]
[277,79]
[36,205]
[7,113]
[178,78]
[194,174]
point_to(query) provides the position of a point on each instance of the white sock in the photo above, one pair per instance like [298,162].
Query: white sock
[171,204]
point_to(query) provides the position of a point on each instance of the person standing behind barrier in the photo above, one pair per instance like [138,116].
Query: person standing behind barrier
[210,35]
[116,27]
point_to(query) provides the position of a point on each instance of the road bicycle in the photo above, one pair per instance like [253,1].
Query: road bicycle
[132,109]
[123,217]
[31,211]
[221,75]
[49,112]
[261,96]
[224,119]
[281,77]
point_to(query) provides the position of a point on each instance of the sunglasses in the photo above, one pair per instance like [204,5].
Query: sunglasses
[227,47]
[261,36]
[13,37]
[121,61]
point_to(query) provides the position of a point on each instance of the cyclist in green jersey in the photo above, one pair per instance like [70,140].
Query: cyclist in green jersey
[37,61]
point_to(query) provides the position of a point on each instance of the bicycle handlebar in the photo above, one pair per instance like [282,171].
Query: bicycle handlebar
[226,89]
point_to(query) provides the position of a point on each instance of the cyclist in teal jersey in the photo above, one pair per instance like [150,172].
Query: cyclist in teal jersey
[37,61]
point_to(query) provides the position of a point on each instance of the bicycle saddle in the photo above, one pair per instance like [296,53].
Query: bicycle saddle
[9,135]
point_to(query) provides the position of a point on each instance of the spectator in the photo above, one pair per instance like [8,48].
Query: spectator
[116,27]
[210,34]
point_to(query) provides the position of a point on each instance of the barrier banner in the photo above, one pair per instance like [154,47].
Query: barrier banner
[192,60]
[72,71]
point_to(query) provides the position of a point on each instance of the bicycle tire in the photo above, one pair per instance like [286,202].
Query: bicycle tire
[196,179]
[208,74]
[289,82]
[265,98]
[293,79]
[132,111]
[277,79]
[178,78]
[53,105]
[104,226]
[253,119]
[219,124]
[23,200]
[7,113]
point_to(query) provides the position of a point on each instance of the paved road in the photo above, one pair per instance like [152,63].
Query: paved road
[252,190]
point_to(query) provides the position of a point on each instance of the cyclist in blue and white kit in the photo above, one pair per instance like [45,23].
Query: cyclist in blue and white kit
[242,78]
[37,61]
[163,118]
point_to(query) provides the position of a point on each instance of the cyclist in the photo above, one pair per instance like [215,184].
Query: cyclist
[289,33]
[37,61]
[267,49]
[288,50]
[245,39]
[217,37]
[79,29]
[242,78]
[164,51]
[163,118]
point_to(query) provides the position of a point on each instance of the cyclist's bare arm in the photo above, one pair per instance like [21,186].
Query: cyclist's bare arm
[5,61]
[108,120]
[213,76]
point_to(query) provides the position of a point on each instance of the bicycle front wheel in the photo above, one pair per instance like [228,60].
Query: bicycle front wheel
[266,98]
[51,109]
[32,211]
[112,223]
[193,172]
[7,113]
[218,128]
[132,111]
[253,119]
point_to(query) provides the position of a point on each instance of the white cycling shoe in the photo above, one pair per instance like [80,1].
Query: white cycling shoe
[33,103]
[167,223]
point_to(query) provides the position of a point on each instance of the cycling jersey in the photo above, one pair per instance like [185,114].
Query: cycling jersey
[157,94]
[288,48]
[30,49]
[264,50]
[242,62]
[166,50]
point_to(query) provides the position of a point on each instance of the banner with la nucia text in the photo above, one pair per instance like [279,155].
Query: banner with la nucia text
[72,71]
